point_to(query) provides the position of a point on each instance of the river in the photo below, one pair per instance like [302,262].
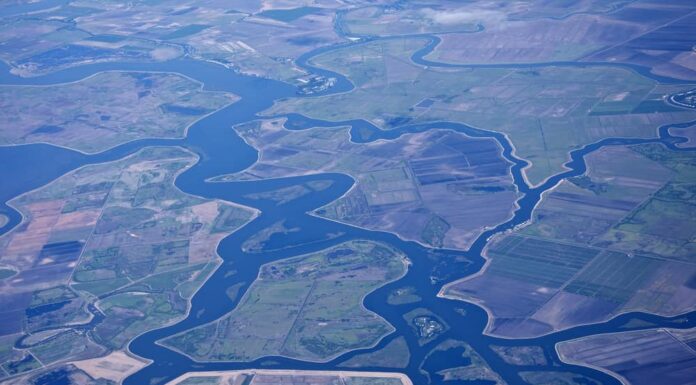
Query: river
[222,151]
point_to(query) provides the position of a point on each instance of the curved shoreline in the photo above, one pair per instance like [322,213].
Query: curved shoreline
[405,380]
[194,173]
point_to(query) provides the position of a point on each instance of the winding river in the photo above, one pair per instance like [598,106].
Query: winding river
[222,151]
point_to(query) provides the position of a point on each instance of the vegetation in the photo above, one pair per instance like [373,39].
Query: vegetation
[599,245]
[307,307]
[394,355]
[425,324]
[664,354]
[403,20]
[400,186]
[545,111]
[556,378]
[473,368]
[136,255]
[403,295]
[105,110]
[521,355]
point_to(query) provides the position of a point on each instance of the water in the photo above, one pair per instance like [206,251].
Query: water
[222,151]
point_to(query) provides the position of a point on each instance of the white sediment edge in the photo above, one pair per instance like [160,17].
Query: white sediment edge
[405,380]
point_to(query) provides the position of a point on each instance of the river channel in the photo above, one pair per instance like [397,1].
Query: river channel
[222,151]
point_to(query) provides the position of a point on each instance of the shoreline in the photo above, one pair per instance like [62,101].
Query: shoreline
[406,265]
[405,380]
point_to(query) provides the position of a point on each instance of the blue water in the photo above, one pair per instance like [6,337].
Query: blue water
[222,151]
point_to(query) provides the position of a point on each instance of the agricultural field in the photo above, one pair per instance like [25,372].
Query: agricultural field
[307,307]
[111,368]
[545,111]
[258,38]
[406,186]
[549,377]
[401,157]
[291,377]
[60,374]
[117,235]
[640,357]
[603,31]
[409,19]
[37,46]
[105,110]
[599,245]
[666,47]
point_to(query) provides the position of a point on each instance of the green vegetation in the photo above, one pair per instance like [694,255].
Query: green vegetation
[545,263]
[400,186]
[543,32]
[405,20]
[307,307]
[662,226]
[255,38]
[142,254]
[521,355]
[546,111]
[599,245]
[613,277]
[425,324]
[476,370]
[25,364]
[434,231]
[257,242]
[395,355]
[68,345]
[403,296]
[105,110]
[133,313]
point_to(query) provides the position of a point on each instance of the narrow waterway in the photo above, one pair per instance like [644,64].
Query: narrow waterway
[222,151]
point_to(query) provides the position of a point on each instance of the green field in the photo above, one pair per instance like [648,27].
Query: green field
[307,307]
[425,324]
[119,235]
[394,355]
[613,276]
[474,367]
[599,245]
[546,111]
[105,110]
[405,20]
[400,186]
[21,365]
[403,295]
[537,261]
[68,345]
[521,355]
